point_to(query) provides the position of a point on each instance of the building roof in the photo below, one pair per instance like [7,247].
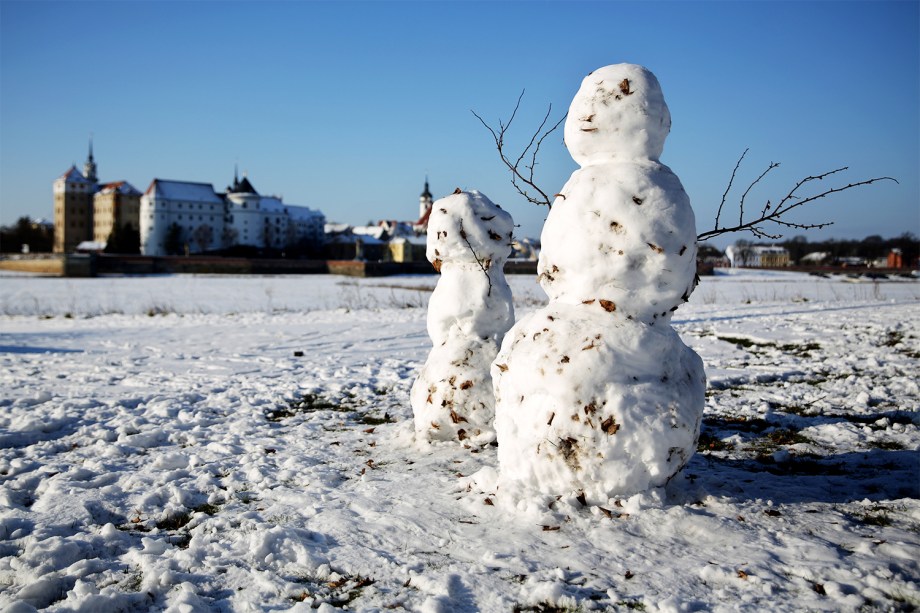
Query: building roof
[121,187]
[74,176]
[242,187]
[183,190]
[426,193]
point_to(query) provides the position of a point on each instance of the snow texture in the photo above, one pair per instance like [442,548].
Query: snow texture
[595,393]
[164,447]
[469,240]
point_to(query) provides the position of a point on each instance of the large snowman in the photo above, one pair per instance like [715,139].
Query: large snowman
[596,393]
[469,239]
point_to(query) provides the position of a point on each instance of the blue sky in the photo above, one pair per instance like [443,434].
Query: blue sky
[346,106]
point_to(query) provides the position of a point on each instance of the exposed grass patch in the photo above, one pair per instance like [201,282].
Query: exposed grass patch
[707,442]
[544,607]
[338,593]
[786,436]
[308,403]
[801,350]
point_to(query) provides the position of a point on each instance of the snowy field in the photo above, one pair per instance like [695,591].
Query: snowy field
[195,443]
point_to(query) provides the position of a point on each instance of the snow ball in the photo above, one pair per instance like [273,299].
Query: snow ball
[618,112]
[584,402]
[467,227]
[623,239]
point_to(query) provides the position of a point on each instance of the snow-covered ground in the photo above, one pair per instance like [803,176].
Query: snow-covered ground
[199,443]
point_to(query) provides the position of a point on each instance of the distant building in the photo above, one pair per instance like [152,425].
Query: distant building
[187,217]
[895,258]
[757,256]
[388,240]
[73,210]
[115,205]
[84,211]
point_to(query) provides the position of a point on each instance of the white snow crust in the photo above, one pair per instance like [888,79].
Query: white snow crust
[130,405]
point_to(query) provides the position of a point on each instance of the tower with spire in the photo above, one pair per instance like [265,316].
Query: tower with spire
[89,167]
[425,201]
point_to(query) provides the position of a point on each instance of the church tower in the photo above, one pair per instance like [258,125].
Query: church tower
[89,168]
[425,201]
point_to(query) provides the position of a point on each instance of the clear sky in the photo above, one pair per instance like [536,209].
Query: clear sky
[347,106]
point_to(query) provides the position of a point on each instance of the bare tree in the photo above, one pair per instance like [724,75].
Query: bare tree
[523,167]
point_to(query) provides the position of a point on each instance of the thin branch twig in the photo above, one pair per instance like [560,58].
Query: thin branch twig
[533,147]
[485,269]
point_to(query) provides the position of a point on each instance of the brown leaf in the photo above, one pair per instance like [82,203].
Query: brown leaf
[607,512]
[565,359]
[610,426]
[551,417]
[435,425]
[582,499]
[628,575]
[461,434]
[742,574]
[502,367]
[682,250]
[437,265]
[608,305]
[456,418]
[772,512]
[550,528]
[369,431]
[489,502]
[495,236]
[655,248]
[559,196]
[466,385]
[637,199]
[588,301]
[624,87]
[458,191]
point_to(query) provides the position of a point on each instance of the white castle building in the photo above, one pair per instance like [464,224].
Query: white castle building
[185,217]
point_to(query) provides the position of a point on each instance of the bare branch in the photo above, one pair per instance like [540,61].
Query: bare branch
[728,188]
[523,176]
[483,265]
[774,214]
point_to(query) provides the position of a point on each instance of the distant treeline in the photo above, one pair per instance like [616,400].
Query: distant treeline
[37,235]
[870,248]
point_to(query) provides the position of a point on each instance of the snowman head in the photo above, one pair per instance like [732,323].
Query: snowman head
[618,114]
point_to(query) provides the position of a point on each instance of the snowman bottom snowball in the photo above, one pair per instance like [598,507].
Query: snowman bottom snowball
[590,403]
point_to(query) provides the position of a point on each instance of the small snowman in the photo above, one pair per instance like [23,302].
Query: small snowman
[596,394]
[469,239]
